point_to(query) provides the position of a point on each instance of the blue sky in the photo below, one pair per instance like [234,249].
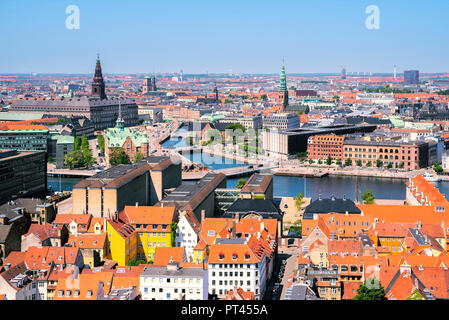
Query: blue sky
[244,36]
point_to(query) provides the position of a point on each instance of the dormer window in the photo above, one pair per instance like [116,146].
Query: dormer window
[246,256]
[234,256]
[154,226]
[164,227]
[89,293]
[221,256]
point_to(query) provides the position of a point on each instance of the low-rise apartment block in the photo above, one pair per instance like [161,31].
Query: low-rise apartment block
[174,282]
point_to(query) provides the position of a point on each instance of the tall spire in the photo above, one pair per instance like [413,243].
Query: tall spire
[283,92]
[120,123]
[98,87]
[283,86]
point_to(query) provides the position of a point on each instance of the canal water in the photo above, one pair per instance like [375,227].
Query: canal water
[283,186]
[382,188]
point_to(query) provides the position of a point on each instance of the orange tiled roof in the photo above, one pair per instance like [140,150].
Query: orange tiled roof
[149,215]
[163,255]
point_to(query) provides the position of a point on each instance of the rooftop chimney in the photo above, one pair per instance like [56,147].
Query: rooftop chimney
[203,215]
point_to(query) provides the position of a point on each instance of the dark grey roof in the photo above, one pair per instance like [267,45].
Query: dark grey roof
[230,241]
[332,205]
[29,204]
[70,102]
[366,241]
[418,236]
[253,205]
[369,120]
[4,232]
[186,192]
[181,272]
[300,292]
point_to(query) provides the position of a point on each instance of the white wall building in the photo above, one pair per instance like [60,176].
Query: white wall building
[233,264]
[17,284]
[187,234]
[174,283]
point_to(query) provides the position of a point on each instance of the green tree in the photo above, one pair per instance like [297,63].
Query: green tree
[100,139]
[50,159]
[118,156]
[370,290]
[437,167]
[88,159]
[319,161]
[339,162]
[390,165]
[77,143]
[62,120]
[329,161]
[138,156]
[264,97]
[74,159]
[84,143]
[369,164]
[299,201]
[401,165]
[173,228]
[134,263]
[348,162]
[300,155]
[240,183]
[359,163]
[368,197]
[379,163]
[311,161]
[236,126]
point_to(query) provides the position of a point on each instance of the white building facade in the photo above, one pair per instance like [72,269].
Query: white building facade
[174,283]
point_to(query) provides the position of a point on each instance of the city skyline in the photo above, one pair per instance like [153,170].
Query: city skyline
[202,37]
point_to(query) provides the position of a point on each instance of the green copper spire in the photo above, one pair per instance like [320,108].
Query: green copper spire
[98,57]
[120,123]
[283,86]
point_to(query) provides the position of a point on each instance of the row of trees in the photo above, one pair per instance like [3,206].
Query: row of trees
[118,156]
[81,156]
[101,142]
[348,163]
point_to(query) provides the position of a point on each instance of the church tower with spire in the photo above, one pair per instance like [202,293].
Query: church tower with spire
[98,87]
[120,123]
[283,92]
[216,93]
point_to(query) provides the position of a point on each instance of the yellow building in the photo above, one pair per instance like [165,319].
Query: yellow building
[122,239]
[94,247]
[153,226]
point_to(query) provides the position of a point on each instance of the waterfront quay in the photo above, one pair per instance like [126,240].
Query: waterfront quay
[318,172]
